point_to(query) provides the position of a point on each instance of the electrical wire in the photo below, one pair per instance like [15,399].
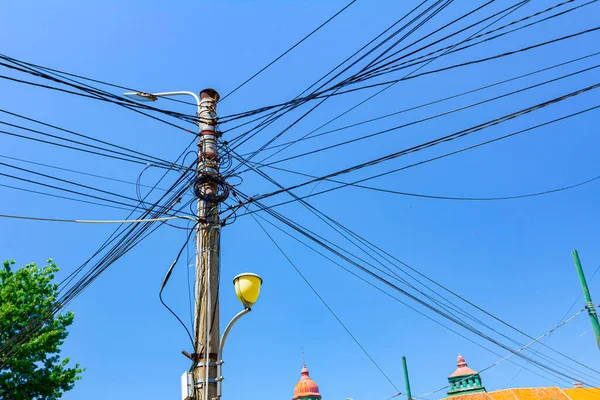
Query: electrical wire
[446,315]
[314,290]
[463,198]
[144,156]
[316,212]
[97,221]
[562,318]
[311,136]
[511,354]
[509,9]
[442,114]
[166,279]
[445,139]
[288,50]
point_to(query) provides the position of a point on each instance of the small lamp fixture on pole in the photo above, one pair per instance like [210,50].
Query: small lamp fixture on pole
[247,290]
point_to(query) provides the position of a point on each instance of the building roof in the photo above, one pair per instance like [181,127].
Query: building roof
[582,393]
[549,393]
[306,387]
[463,369]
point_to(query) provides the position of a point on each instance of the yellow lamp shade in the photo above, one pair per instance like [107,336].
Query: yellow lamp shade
[247,288]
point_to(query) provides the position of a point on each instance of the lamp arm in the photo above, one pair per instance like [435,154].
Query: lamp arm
[180,93]
[221,345]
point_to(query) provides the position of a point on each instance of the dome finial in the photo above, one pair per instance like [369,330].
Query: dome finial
[306,388]
[303,362]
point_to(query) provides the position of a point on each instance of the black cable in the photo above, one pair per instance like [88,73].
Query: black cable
[66,181]
[445,113]
[414,298]
[389,67]
[274,117]
[514,8]
[4,156]
[440,140]
[430,159]
[299,99]
[128,104]
[463,198]
[313,108]
[92,92]
[432,102]
[145,156]
[316,212]
[388,294]
[73,148]
[288,50]
[472,62]
[66,198]
[166,279]
[89,79]
[121,154]
[312,288]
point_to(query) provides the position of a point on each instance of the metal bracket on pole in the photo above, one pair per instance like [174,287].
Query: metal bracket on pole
[221,346]
[209,364]
[202,380]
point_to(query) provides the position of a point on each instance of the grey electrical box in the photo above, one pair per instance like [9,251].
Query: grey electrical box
[187,386]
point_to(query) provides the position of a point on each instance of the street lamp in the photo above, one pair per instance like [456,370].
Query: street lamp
[143,96]
[247,290]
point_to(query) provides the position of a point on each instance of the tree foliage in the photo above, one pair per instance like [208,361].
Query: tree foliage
[36,370]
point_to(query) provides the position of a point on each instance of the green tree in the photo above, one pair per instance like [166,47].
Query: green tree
[35,371]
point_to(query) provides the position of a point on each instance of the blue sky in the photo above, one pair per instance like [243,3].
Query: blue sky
[510,257]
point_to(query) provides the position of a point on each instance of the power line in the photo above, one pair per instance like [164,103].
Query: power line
[97,221]
[264,124]
[67,198]
[389,67]
[321,215]
[510,10]
[312,288]
[445,139]
[395,287]
[463,198]
[288,50]
[512,353]
[472,62]
[445,113]
[144,155]
[562,318]
[310,136]
[76,171]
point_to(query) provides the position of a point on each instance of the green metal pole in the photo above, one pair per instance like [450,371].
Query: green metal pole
[406,378]
[588,299]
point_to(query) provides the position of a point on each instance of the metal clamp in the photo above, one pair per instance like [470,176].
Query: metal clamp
[202,364]
[202,380]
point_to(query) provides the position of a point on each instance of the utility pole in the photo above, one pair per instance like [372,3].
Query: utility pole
[588,298]
[408,393]
[209,190]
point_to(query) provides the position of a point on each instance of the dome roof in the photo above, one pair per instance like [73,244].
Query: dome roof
[306,387]
[463,369]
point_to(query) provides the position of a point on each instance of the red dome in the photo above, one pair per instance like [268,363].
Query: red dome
[306,387]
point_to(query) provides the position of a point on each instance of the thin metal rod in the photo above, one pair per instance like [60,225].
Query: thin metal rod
[588,298]
[222,345]
[408,393]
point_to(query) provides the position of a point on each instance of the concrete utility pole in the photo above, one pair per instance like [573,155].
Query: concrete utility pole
[588,298]
[207,188]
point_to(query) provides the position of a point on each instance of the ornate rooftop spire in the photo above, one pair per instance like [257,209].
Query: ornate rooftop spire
[464,379]
[306,388]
